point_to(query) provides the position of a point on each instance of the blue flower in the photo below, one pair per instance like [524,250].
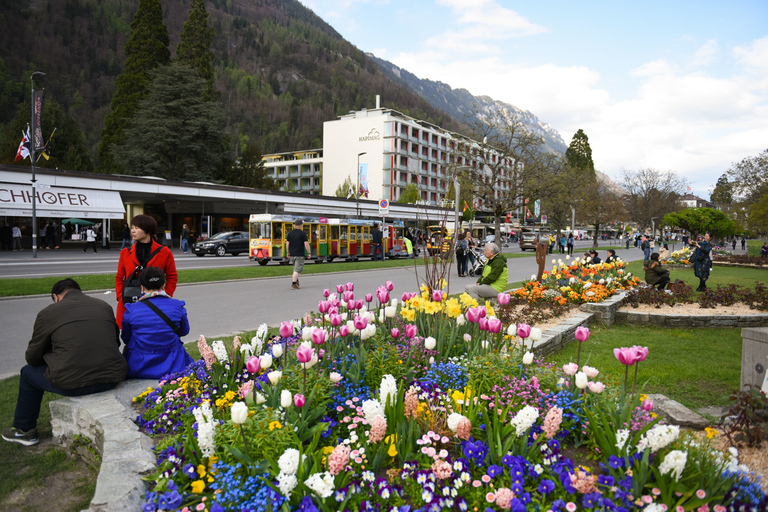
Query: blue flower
[590,500]
[307,505]
[494,471]
[615,462]
[516,505]
[606,480]
[546,487]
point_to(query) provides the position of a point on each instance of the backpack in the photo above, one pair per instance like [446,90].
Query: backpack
[461,249]
[132,284]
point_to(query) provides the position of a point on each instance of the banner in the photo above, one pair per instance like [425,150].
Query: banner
[362,177]
[37,128]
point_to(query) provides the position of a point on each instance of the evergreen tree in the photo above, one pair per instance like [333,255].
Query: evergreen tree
[579,154]
[176,134]
[194,49]
[249,171]
[145,50]
[722,195]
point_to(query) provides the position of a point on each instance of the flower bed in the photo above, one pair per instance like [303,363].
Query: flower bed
[436,405]
[679,257]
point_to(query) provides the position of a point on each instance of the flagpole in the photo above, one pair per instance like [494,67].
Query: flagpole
[32,161]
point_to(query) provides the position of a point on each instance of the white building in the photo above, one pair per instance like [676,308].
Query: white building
[298,171]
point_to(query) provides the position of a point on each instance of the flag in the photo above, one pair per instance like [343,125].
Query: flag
[23,151]
[45,151]
[527,213]
[466,206]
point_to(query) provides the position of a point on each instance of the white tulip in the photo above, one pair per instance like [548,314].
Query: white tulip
[274,377]
[368,332]
[306,333]
[431,360]
[393,303]
[351,327]
[371,316]
[381,316]
[528,358]
[343,304]
[286,398]
[467,337]
[590,372]
[484,344]
[312,362]
[390,311]
[581,380]
[335,377]
[277,350]
[512,330]
[344,316]
[266,361]
[260,399]
[461,320]
[535,334]
[239,413]
[430,343]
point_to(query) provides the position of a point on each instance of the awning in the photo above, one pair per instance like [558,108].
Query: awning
[60,202]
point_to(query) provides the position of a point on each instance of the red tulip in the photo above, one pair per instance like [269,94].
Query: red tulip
[253,365]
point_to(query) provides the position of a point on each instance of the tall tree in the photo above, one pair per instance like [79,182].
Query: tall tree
[346,189]
[145,50]
[750,176]
[194,48]
[579,154]
[651,194]
[701,220]
[600,206]
[176,134]
[249,171]
[722,195]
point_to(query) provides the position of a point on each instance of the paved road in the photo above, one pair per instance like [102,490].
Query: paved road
[221,308]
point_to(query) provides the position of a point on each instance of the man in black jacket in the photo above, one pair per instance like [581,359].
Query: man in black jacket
[377,242]
[74,351]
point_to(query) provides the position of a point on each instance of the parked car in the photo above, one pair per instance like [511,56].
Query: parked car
[233,242]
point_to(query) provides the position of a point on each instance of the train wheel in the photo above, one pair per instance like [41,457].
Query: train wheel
[263,262]
[329,259]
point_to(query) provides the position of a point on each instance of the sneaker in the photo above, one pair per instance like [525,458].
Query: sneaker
[294,286]
[14,435]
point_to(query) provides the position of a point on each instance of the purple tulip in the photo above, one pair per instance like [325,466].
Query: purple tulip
[582,333]
[299,400]
[286,329]
[411,331]
[494,325]
[503,299]
[395,332]
[304,354]
[253,365]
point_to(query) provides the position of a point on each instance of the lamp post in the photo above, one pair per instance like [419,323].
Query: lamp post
[357,190]
[653,227]
[32,144]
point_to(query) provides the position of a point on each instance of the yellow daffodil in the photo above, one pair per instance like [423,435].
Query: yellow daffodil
[327,450]
[452,308]
[489,309]
[408,314]
[711,432]
[467,301]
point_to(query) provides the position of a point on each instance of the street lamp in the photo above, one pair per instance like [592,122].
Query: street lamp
[32,144]
[357,190]
[653,227]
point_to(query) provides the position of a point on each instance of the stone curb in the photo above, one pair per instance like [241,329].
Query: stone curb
[125,452]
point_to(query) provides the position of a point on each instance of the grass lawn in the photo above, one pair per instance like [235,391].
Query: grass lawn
[36,476]
[679,365]
[744,277]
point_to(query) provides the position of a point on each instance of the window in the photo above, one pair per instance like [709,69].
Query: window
[424,166]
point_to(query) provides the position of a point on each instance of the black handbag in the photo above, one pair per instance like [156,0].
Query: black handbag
[132,285]
[176,329]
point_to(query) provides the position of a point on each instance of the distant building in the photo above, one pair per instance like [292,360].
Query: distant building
[692,201]
[298,171]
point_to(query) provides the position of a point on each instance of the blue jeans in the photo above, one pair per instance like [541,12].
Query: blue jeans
[33,384]
[184,245]
[378,251]
[647,254]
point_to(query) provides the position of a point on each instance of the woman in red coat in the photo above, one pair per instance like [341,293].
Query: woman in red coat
[145,252]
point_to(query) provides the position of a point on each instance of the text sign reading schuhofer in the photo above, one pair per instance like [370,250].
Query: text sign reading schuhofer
[57,201]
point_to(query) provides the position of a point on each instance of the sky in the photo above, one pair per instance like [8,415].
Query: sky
[674,85]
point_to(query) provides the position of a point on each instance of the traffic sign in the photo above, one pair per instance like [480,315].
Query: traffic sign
[383,207]
[543,219]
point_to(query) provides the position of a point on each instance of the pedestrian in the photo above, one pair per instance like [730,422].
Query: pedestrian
[184,239]
[74,351]
[144,252]
[764,250]
[733,244]
[408,245]
[494,278]
[126,237]
[6,237]
[90,239]
[63,232]
[743,244]
[296,242]
[645,246]
[470,245]
[611,258]
[702,261]
[570,244]
[152,330]
[16,232]
[655,274]
[50,236]
[462,250]
[563,241]
[377,242]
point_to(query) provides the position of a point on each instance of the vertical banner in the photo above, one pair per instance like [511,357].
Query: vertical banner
[537,208]
[362,176]
[37,129]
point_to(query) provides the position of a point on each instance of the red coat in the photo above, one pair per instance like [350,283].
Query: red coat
[128,263]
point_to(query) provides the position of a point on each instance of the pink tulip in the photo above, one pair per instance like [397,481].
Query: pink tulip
[368,297]
[524,330]
[343,330]
[596,387]
[467,337]
[336,320]
[483,324]
[626,356]
[647,406]
[503,299]
[348,296]
[304,354]
[406,296]
[411,331]
[582,333]
[571,369]
[361,322]
[339,289]
[323,306]
[253,365]
[299,400]
[389,286]
[320,353]
[382,295]
[286,329]
[437,295]
[482,311]
[350,287]
[318,336]
[336,303]
[395,332]
[326,293]
[494,325]
[473,315]
[642,353]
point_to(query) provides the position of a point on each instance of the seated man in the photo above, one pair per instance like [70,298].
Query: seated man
[74,351]
[494,278]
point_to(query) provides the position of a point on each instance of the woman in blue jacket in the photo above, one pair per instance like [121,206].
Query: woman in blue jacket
[152,330]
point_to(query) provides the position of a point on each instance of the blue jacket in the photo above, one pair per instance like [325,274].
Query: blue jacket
[151,347]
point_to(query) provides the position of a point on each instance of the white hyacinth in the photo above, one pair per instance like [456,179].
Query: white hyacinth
[289,461]
[524,419]
[387,389]
[453,421]
[220,351]
[621,438]
[321,484]
[658,437]
[373,408]
[286,484]
[206,426]
[674,462]
[257,342]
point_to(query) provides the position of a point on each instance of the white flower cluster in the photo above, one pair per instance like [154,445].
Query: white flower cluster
[289,465]
[257,342]
[674,462]
[286,484]
[387,389]
[321,484]
[206,427]
[220,351]
[621,438]
[373,408]
[453,421]
[524,419]
[658,437]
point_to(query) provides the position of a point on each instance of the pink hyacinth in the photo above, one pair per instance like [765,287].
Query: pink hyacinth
[253,365]
[442,469]
[286,329]
[524,330]
[464,429]
[582,333]
[503,299]
[338,459]
[411,404]
[236,343]
[304,354]
[378,429]
[504,498]
[411,331]
[245,388]
[206,352]
[552,422]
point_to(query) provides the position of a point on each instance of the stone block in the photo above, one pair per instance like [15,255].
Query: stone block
[677,413]
[657,319]
[754,356]
[679,321]
[636,317]
[723,321]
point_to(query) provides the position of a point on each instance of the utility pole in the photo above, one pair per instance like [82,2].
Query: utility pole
[32,144]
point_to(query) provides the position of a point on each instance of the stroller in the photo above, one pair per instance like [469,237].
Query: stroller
[476,268]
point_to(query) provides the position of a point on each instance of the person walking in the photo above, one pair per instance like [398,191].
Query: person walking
[90,239]
[462,249]
[645,246]
[733,244]
[184,239]
[743,244]
[126,237]
[6,237]
[702,261]
[50,236]
[16,232]
[563,241]
[569,244]
[296,242]
[377,241]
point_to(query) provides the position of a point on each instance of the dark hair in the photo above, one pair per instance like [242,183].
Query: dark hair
[145,223]
[152,278]
[655,256]
[64,285]
[593,252]
[611,252]
[298,222]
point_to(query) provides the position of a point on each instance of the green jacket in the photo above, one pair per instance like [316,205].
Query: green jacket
[655,273]
[495,273]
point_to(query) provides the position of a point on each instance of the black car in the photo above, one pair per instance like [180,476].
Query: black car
[233,242]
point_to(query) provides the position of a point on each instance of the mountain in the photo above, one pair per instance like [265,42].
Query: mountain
[459,102]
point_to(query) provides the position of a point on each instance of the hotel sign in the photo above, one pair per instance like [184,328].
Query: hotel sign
[60,202]
[372,135]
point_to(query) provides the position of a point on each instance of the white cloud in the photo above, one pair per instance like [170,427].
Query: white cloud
[705,54]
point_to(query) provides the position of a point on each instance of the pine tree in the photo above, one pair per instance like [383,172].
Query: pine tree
[579,154]
[194,48]
[145,50]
